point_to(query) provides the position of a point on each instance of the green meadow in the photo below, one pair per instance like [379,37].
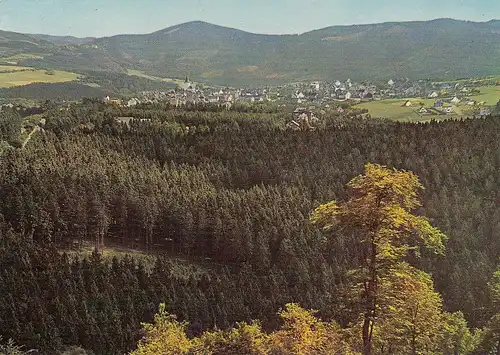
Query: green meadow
[24,77]
[394,108]
[10,68]
[15,59]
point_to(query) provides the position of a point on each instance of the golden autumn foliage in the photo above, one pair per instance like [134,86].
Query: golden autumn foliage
[379,211]
[245,339]
[301,334]
[377,220]
[166,336]
[411,317]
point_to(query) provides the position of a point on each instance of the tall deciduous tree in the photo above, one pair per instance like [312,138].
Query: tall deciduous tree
[378,218]
[411,319]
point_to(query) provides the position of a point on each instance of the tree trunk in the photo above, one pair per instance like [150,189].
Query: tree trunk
[369,316]
[367,344]
[414,330]
[371,299]
[97,244]
[102,239]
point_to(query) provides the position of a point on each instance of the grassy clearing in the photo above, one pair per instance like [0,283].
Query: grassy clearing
[394,109]
[9,68]
[15,59]
[35,76]
[489,94]
[467,80]
[33,119]
[109,253]
[140,73]
[92,85]
[180,267]
[212,74]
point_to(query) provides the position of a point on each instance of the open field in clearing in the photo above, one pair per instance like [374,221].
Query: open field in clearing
[489,94]
[14,59]
[92,85]
[180,266]
[481,79]
[7,68]
[110,252]
[212,74]
[36,76]
[140,73]
[394,109]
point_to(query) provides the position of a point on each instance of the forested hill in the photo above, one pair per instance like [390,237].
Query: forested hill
[441,48]
[62,40]
[230,192]
[12,43]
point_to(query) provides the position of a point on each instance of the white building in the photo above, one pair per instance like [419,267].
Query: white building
[133,102]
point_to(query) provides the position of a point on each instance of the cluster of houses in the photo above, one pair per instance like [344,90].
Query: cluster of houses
[320,93]
[395,88]
[446,95]
[448,106]
[188,92]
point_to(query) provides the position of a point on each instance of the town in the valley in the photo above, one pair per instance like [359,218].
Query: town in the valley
[441,98]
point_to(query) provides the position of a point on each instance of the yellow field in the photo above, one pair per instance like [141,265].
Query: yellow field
[19,57]
[6,68]
[36,76]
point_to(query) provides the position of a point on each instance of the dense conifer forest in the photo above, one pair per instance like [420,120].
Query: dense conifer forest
[225,201]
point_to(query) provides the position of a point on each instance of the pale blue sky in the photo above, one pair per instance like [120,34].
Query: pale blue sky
[108,17]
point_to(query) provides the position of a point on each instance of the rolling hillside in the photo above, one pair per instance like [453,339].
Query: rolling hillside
[63,40]
[441,48]
[12,43]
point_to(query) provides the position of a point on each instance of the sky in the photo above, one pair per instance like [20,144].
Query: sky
[98,18]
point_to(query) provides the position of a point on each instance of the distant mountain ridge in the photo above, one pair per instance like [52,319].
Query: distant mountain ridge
[13,43]
[63,40]
[442,48]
